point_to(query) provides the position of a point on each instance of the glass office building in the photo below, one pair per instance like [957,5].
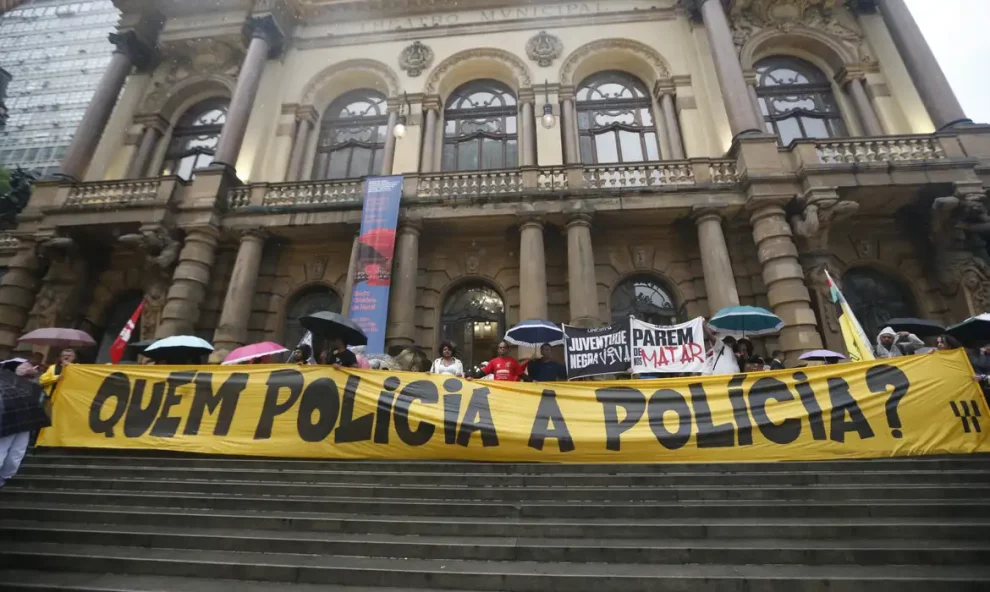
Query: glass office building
[56,51]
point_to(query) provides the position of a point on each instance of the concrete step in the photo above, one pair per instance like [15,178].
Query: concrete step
[955,508]
[580,550]
[456,479]
[486,575]
[510,494]
[283,519]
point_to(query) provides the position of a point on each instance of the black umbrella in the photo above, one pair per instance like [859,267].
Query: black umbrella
[331,325]
[973,332]
[20,405]
[140,346]
[919,327]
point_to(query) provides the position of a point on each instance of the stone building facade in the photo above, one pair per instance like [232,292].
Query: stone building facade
[575,161]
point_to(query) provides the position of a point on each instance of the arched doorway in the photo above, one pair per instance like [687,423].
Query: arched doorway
[116,317]
[645,298]
[473,318]
[306,302]
[875,298]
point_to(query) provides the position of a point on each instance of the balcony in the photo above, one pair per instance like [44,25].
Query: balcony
[904,149]
[113,194]
[306,194]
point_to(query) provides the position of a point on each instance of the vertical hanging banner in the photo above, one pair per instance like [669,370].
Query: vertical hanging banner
[373,266]
[668,348]
[597,351]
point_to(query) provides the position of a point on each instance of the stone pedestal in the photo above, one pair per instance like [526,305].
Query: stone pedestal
[17,293]
[233,327]
[401,329]
[720,282]
[582,285]
[189,282]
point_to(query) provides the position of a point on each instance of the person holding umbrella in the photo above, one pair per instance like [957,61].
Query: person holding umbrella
[339,356]
[21,413]
[544,368]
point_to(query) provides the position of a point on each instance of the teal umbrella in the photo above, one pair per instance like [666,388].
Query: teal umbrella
[747,320]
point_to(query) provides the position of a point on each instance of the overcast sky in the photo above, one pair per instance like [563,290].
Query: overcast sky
[958,31]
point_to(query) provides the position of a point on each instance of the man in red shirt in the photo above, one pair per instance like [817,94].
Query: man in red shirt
[504,367]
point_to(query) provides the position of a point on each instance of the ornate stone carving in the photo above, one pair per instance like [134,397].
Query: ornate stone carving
[809,17]
[374,68]
[472,263]
[519,69]
[189,61]
[641,50]
[543,48]
[959,254]
[62,287]
[416,58]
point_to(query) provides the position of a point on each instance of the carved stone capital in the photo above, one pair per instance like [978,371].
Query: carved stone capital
[254,235]
[154,121]
[137,49]
[432,102]
[580,219]
[307,113]
[664,86]
[416,58]
[850,72]
[703,213]
[269,27]
[543,48]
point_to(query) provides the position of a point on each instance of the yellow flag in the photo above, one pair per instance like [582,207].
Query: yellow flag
[857,343]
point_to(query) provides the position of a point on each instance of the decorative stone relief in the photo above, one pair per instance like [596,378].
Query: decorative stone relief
[161,252]
[191,59]
[519,69]
[416,58]
[959,254]
[640,50]
[752,17]
[543,48]
[864,247]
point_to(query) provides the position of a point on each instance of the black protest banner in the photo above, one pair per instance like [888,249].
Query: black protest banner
[596,351]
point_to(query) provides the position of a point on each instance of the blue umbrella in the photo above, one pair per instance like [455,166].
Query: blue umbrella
[747,320]
[535,332]
[177,349]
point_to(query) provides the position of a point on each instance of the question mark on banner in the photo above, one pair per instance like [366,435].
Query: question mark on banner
[878,379]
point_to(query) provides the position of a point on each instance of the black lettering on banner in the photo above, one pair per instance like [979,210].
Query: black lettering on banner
[549,413]
[167,425]
[383,417]
[661,402]
[478,418]
[351,429]
[321,396]
[878,378]
[737,398]
[843,403]
[451,407]
[271,408]
[811,405]
[632,402]
[709,434]
[139,419]
[771,389]
[116,386]
[226,399]
[420,390]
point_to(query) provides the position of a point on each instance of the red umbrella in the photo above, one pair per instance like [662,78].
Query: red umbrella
[58,338]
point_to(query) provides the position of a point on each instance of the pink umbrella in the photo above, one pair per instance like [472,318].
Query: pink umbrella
[253,352]
[58,338]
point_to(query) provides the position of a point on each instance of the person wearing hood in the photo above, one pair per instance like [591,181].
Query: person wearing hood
[891,344]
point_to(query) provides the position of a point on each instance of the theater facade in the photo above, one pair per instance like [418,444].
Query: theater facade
[573,161]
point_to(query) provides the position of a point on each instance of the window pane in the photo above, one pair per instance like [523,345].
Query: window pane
[491,154]
[607,151]
[587,150]
[338,164]
[652,151]
[449,157]
[632,149]
[467,156]
[511,154]
[789,130]
[584,120]
[510,125]
[186,167]
[814,128]
[379,155]
[646,116]
[763,106]
[360,162]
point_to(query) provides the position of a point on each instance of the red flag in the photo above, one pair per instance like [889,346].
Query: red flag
[117,349]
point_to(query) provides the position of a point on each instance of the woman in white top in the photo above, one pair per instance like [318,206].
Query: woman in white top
[447,363]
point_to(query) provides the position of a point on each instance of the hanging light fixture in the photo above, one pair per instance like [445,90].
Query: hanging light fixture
[548,121]
[399,131]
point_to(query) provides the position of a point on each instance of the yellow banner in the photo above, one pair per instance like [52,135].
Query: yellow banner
[925,404]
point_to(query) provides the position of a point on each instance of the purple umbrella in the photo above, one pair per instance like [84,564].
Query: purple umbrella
[58,338]
[822,355]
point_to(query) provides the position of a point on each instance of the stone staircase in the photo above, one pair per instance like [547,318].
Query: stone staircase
[105,521]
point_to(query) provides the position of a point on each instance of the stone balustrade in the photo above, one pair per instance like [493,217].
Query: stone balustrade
[647,174]
[8,242]
[723,172]
[239,197]
[315,193]
[113,194]
[892,149]
[470,185]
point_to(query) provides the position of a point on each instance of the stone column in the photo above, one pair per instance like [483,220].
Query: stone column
[154,129]
[742,119]
[784,279]
[532,269]
[720,282]
[855,84]
[582,285]
[306,117]
[17,293]
[405,271]
[232,136]
[932,85]
[527,132]
[190,282]
[568,128]
[388,155]
[431,111]
[351,270]
[665,96]
[319,170]
[130,51]
[750,77]
[233,326]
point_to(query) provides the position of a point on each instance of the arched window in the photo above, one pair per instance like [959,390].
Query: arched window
[352,136]
[615,120]
[306,302]
[480,128]
[116,317]
[646,299]
[473,318]
[796,100]
[875,298]
[195,138]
